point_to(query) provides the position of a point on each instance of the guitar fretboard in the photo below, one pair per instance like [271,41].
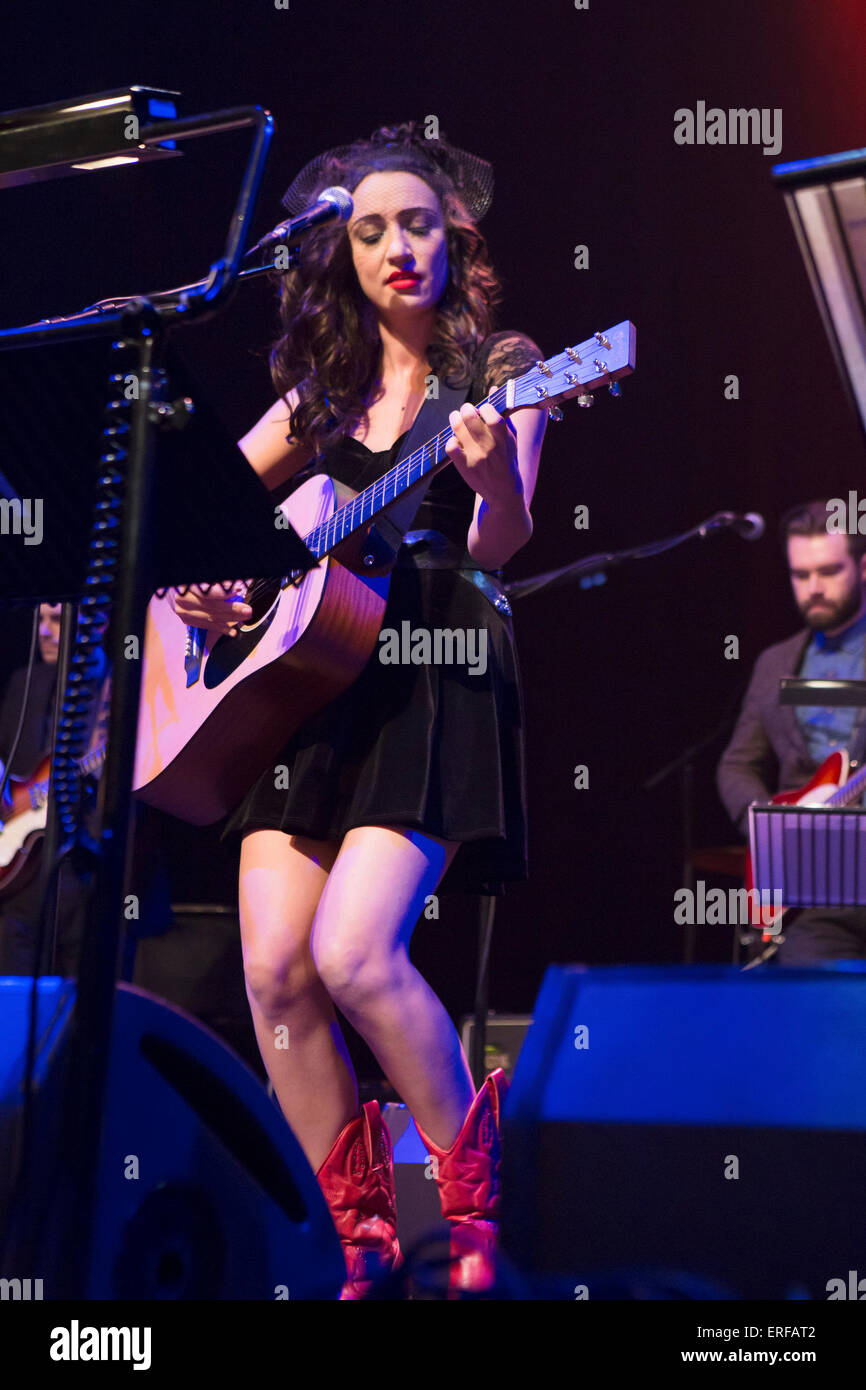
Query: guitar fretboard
[389,487]
[849,791]
[89,763]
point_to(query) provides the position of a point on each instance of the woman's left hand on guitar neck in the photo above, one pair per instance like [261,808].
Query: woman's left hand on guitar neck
[498,458]
[484,452]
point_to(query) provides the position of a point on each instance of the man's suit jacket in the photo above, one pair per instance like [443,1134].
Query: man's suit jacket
[767,752]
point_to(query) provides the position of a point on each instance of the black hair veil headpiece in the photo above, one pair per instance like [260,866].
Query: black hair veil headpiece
[388,147]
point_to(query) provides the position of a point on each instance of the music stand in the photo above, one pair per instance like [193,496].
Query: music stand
[147,531]
[826,201]
[840,694]
[806,855]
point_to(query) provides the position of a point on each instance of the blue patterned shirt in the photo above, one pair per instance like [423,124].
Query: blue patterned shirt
[827,659]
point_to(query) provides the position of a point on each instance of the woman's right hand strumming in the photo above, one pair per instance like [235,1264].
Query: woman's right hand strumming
[221,610]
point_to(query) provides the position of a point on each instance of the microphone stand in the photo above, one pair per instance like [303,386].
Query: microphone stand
[163,298]
[590,571]
[685,762]
[599,564]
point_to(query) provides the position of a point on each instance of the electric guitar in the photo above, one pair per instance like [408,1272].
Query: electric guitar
[828,786]
[214,709]
[23,816]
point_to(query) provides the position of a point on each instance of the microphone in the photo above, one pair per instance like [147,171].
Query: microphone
[332,204]
[750,525]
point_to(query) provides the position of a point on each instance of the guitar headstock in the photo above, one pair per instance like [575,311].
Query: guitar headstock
[578,371]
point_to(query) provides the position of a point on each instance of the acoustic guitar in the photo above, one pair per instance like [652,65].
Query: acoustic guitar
[215,710]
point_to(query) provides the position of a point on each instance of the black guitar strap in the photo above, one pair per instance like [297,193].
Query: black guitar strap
[432,419]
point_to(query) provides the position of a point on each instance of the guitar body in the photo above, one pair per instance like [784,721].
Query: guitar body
[24,819]
[830,776]
[201,746]
[824,783]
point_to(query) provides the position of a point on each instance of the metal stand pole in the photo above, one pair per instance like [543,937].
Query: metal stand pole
[487,912]
[687,791]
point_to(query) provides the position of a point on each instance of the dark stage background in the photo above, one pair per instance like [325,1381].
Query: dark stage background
[575,108]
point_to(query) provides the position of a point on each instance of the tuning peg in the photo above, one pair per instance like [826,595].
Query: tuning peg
[554,412]
[585,400]
[615,390]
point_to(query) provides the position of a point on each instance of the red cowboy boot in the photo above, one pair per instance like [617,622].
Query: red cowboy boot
[357,1178]
[467,1176]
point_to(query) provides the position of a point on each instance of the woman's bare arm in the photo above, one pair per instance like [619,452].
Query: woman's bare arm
[273,456]
[275,459]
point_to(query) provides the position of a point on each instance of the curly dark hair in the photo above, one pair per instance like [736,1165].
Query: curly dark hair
[329,347]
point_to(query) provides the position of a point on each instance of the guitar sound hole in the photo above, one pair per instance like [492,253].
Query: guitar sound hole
[261,597]
[229,653]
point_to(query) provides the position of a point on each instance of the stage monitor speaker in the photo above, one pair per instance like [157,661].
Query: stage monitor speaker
[691,1132]
[197,965]
[503,1039]
[203,1191]
[418,1209]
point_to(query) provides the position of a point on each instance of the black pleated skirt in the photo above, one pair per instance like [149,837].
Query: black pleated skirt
[435,747]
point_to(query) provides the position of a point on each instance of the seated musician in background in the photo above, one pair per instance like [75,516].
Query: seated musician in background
[778,747]
[20,872]
[20,887]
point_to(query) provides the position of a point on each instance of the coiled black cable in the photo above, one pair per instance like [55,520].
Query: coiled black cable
[88,661]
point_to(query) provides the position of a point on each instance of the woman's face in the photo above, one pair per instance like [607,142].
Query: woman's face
[397,236]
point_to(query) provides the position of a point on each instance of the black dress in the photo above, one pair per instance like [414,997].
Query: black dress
[433,747]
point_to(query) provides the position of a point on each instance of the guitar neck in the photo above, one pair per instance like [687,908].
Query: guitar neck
[92,760]
[89,763]
[367,504]
[577,371]
[849,791]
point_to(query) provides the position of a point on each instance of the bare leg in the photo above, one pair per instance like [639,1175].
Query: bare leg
[373,897]
[281,881]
